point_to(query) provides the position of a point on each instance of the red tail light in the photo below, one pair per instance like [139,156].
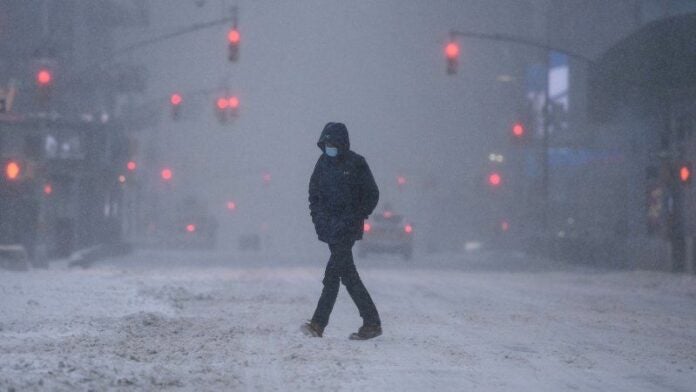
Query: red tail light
[367,227]
[408,229]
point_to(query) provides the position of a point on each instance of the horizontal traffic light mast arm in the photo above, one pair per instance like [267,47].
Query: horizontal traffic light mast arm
[519,41]
[151,41]
[183,31]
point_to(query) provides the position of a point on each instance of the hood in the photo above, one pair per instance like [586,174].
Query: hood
[337,134]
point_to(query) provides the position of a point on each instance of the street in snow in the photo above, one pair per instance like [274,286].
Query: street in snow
[487,321]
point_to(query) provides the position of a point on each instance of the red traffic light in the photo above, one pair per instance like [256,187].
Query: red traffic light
[231,205]
[518,130]
[48,189]
[367,227]
[452,50]
[233,36]
[233,102]
[176,99]
[12,170]
[685,173]
[494,179]
[452,55]
[166,174]
[408,229]
[44,77]
[222,103]
[504,225]
[131,165]
[191,228]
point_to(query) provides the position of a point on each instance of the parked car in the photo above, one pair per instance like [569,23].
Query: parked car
[387,233]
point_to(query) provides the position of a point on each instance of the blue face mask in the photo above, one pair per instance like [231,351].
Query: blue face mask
[331,151]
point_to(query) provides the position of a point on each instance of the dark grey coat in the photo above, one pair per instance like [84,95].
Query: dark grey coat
[342,190]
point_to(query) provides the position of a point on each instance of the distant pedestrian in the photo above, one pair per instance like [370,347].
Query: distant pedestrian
[342,194]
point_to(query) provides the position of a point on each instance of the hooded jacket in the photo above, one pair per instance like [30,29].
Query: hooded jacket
[342,190]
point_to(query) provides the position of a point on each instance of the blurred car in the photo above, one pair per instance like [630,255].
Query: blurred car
[250,241]
[196,232]
[387,233]
[192,227]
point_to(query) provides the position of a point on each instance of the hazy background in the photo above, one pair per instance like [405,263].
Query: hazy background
[377,66]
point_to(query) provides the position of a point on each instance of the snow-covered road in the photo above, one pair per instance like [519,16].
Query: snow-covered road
[481,321]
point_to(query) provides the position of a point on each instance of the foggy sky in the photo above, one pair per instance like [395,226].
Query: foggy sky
[377,66]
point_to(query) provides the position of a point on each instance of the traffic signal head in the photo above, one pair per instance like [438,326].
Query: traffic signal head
[44,86]
[166,174]
[452,50]
[222,103]
[221,106]
[176,99]
[233,39]
[518,130]
[227,107]
[12,170]
[504,225]
[452,56]
[233,102]
[518,133]
[684,173]
[494,179]
[233,36]
[44,77]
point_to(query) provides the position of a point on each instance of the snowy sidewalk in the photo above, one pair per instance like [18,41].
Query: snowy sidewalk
[194,322]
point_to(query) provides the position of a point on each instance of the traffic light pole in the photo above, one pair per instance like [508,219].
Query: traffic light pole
[161,38]
[520,41]
[545,175]
[177,33]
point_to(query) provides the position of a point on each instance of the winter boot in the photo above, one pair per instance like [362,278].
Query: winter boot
[366,332]
[310,328]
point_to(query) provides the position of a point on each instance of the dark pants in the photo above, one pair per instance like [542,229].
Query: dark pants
[341,268]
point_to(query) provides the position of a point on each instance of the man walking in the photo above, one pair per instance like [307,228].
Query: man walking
[342,194]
